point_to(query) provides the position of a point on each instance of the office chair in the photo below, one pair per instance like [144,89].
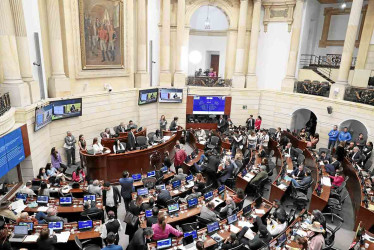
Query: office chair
[261,187]
[335,205]
[299,151]
[201,222]
[239,206]
[300,159]
[150,137]
[337,192]
[188,227]
[320,150]
[241,246]
[214,140]
[82,245]
[142,142]
[291,216]
[207,188]
[299,196]
[230,182]
[367,165]
[149,182]
[271,154]
[330,233]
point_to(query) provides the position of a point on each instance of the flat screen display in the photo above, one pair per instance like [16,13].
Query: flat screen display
[208,196]
[89,197]
[247,210]
[176,184]
[30,225]
[21,196]
[143,191]
[66,108]
[173,208]
[147,96]
[163,244]
[137,177]
[42,199]
[192,202]
[43,117]
[162,186]
[58,225]
[189,178]
[87,224]
[148,213]
[221,189]
[65,200]
[193,233]
[171,95]
[232,219]
[211,105]
[164,170]
[212,227]
[151,174]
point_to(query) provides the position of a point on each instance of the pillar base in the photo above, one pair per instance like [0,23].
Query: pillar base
[142,80]
[165,79]
[288,84]
[59,86]
[251,81]
[19,93]
[179,80]
[238,81]
[34,91]
[337,90]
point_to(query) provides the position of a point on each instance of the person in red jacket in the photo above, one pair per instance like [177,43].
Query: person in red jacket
[78,175]
[337,180]
[258,123]
[180,157]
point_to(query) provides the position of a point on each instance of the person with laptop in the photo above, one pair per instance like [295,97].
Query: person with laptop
[111,226]
[27,189]
[180,176]
[231,242]
[127,187]
[90,208]
[112,244]
[140,239]
[154,218]
[24,217]
[6,212]
[46,242]
[52,216]
[199,183]
[162,196]
[226,173]
[162,230]
[94,188]
[207,212]
[111,198]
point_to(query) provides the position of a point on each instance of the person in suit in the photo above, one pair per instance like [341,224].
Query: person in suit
[290,151]
[340,152]
[51,216]
[70,148]
[174,124]
[140,238]
[325,158]
[250,123]
[199,183]
[131,140]
[106,134]
[89,208]
[112,242]
[207,212]
[230,242]
[127,187]
[229,207]
[118,147]
[180,176]
[111,198]
[131,125]
[298,173]
[367,149]
[221,124]
[333,167]
[153,219]
[167,161]
[121,128]
[136,206]
[261,239]
[356,157]
[255,182]
[226,173]
[46,242]
[162,196]
[303,182]
[211,169]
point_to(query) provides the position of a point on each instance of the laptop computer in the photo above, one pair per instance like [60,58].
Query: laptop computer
[176,184]
[89,197]
[66,201]
[143,191]
[192,202]
[19,234]
[42,200]
[208,196]
[30,225]
[148,213]
[137,177]
[173,208]
[221,189]
[212,229]
[85,225]
[151,174]
[162,186]
[164,244]
[164,170]
[56,226]
[21,196]
[232,219]
[189,178]
[247,210]
[191,233]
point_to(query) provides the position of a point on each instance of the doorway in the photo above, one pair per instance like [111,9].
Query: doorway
[304,118]
[214,63]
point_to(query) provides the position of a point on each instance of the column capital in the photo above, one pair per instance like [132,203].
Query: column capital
[257,1]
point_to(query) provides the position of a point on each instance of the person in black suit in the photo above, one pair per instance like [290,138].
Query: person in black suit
[226,173]
[139,241]
[131,140]
[135,206]
[211,169]
[111,198]
[230,242]
[326,159]
[90,208]
[290,151]
[163,196]
[250,123]
[45,242]
[221,124]
[356,156]
[262,238]
[174,124]
[153,219]
[333,167]
[298,173]
[121,128]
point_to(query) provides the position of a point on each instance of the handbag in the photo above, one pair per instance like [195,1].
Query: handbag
[131,219]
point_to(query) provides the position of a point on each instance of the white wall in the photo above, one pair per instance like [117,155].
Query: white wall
[154,36]
[205,44]
[218,20]
[272,55]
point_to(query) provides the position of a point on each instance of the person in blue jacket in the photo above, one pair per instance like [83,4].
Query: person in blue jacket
[345,136]
[333,137]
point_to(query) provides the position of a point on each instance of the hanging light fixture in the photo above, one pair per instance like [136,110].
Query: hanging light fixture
[207,21]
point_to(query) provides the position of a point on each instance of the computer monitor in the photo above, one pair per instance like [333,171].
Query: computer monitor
[189,178]
[164,244]
[176,184]
[164,170]
[221,189]
[57,225]
[136,177]
[192,202]
[247,210]
[192,233]
[151,174]
[148,213]
[89,197]
[30,225]
[173,208]
[42,199]
[85,225]
[143,191]
[162,187]
[208,196]
[20,230]
[213,227]
[232,219]
[66,200]
[244,172]
[21,196]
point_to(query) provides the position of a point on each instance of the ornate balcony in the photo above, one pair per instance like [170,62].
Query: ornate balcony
[4,103]
[205,81]
[312,88]
[360,95]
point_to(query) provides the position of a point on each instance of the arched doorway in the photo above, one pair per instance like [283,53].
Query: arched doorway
[355,127]
[304,118]
[208,41]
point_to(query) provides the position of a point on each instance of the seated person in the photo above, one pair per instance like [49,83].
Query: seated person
[356,157]
[290,151]
[140,239]
[303,182]
[45,241]
[314,239]
[333,166]
[239,196]
[111,242]
[200,245]
[278,211]
[318,216]
[190,196]
[121,128]
[207,212]
[326,159]
[302,134]
[349,149]
[261,151]
[24,217]
[90,208]
[131,125]
[255,182]
[95,188]
[44,190]
[50,217]
[261,239]
[226,173]
[106,134]
[5,211]
[298,173]
[27,189]
[97,147]
[162,196]
[135,206]
[42,174]
[337,180]
[230,242]
[149,205]
[118,146]
[199,183]
[201,135]
[153,219]
[162,230]
[180,176]
[79,175]
[228,209]
[274,227]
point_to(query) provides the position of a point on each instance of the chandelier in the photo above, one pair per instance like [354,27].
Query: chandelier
[207,21]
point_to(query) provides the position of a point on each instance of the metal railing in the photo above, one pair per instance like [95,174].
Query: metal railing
[4,103]
[205,81]
[312,88]
[329,60]
[360,95]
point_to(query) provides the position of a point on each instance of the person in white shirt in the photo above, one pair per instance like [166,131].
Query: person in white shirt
[27,189]
[201,135]
[97,147]
[274,227]
[264,139]
[118,146]
[252,141]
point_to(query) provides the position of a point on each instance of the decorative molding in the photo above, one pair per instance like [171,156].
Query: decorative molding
[278,11]
[328,13]
[194,32]
[7,121]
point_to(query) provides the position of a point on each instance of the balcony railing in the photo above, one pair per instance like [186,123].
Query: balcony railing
[360,95]
[328,61]
[205,81]
[312,88]
[4,103]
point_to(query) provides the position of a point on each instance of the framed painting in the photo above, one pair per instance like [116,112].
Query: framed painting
[101,34]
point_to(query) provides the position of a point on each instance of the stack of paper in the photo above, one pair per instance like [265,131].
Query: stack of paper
[63,237]
[18,206]
[282,186]
[326,181]
[249,234]
[259,211]
[234,229]
[248,177]
[289,171]
[42,209]
[245,224]
[31,238]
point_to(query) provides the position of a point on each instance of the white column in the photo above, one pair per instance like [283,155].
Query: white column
[23,50]
[179,76]
[251,79]
[142,76]
[239,79]
[165,76]
[289,80]
[13,83]
[349,45]
[58,84]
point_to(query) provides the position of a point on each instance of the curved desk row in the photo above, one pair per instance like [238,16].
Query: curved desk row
[295,141]
[109,142]
[109,167]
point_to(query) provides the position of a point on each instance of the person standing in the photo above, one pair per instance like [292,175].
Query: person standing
[163,123]
[180,157]
[82,147]
[345,136]
[221,124]
[131,140]
[174,124]
[112,244]
[258,123]
[111,198]
[70,148]
[111,226]
[127,187]
[250,123]
[333,137]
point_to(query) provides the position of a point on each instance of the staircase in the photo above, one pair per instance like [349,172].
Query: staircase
[325,73]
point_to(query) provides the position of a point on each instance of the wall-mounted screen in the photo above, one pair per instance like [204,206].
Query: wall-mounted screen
[214,105]
[11,151]
[171,95]
[66,108]
[43,116]
[147,96]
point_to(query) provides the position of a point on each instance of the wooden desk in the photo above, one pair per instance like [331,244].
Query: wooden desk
[167,176]
[186,166]
[242,181]
[109,142]
[371,244]
[109,167]
[295,141]
[276,192]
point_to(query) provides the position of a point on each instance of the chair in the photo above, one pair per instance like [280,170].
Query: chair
[291,216]
[115,129]
[214,140]
[149,182]
[83,246]
[336,193]
[261,187]
[150,137]
[330,233]
[239,206]
[320,150]
[230,182]
[142,142]
[188,227]
[272,166]
[271,154]
[335,205]
[299,151]
[206,189]
[241,246]
[300,159]
[367,165]
[94,216]
[201,222]
[299,196]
